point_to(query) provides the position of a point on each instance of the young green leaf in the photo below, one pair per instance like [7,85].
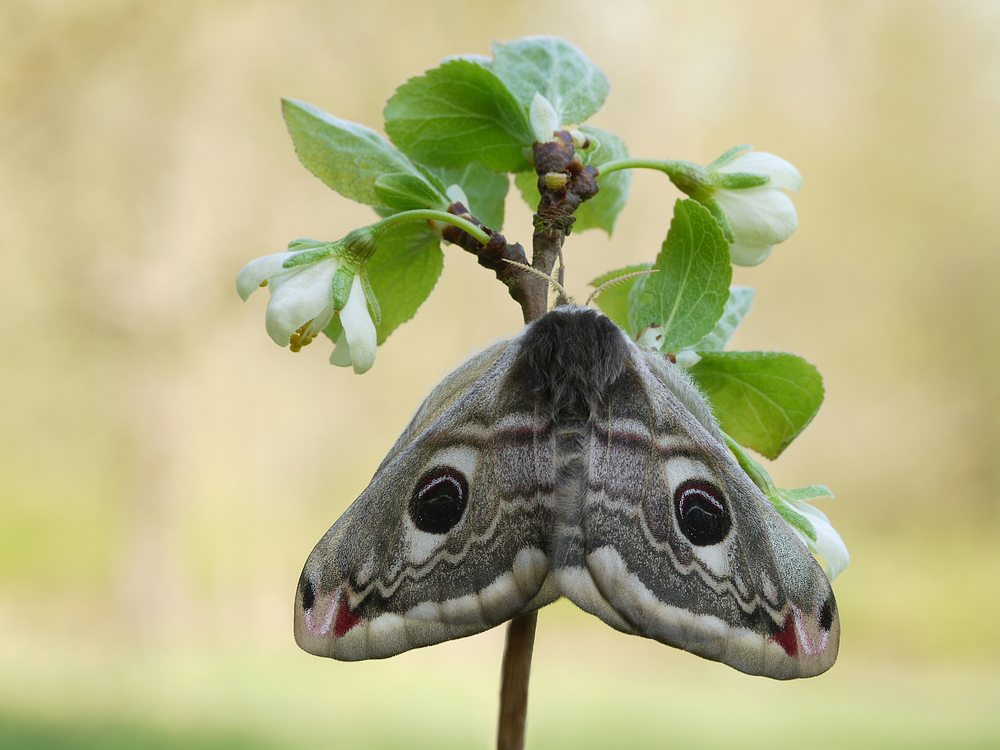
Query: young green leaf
[485,189]
[527,184]
[602,210]
[457,114]
[613,301]
[405,192]
[737,308]
[403,272]
[557,70]
[688,294]
[762,399]
[346,156]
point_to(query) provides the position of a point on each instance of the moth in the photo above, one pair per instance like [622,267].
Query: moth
[567,461]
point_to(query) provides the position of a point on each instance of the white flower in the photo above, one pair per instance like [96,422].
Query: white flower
[356,345]
[302,301]
[300,294]
[828,543]
[759,216]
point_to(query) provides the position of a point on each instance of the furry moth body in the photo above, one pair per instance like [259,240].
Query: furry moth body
[568,462]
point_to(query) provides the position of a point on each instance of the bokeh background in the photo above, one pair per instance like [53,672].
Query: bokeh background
[165,469]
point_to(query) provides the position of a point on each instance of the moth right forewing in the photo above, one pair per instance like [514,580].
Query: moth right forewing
[679,383]
[743,590]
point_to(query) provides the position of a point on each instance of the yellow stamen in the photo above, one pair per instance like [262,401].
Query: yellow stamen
[302,337]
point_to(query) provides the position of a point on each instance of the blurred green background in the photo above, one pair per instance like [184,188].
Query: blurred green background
[165,469]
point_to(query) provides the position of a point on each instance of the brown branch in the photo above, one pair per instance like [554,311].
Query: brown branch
[563,183]
[528,290]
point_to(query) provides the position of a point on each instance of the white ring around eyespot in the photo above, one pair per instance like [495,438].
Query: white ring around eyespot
[420,545]
[680,469]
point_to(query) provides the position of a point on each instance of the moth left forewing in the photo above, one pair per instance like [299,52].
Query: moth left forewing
[433,549]
[455,385]
[686,550]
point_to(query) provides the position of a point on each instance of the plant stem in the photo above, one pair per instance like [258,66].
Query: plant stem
[514,677]
[428,214]
[660,165]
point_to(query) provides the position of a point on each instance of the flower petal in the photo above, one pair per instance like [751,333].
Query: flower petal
[781,172]
[761,215]
[341,354]
[744,253]
[298,296]
[359,328]
[257,271]
[828,542]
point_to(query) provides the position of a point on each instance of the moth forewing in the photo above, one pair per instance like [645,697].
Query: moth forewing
[431,551]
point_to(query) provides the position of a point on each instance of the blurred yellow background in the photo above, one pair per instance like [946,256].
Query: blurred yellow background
[165,469]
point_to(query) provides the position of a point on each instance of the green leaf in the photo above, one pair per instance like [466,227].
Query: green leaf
[304,243]
[688,294]
[762,399]
[737,308]
[485,189]
[613,301]
[456,114]
[405,192]
[527,185]
[346,156]
[403,272]
[601,211]
[557,70]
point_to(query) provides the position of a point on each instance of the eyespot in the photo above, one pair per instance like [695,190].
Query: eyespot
[439,500]
[701,513]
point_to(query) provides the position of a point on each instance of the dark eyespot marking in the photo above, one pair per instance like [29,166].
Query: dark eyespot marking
[308,595]
[826,613]
[439,500]
[701,513]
